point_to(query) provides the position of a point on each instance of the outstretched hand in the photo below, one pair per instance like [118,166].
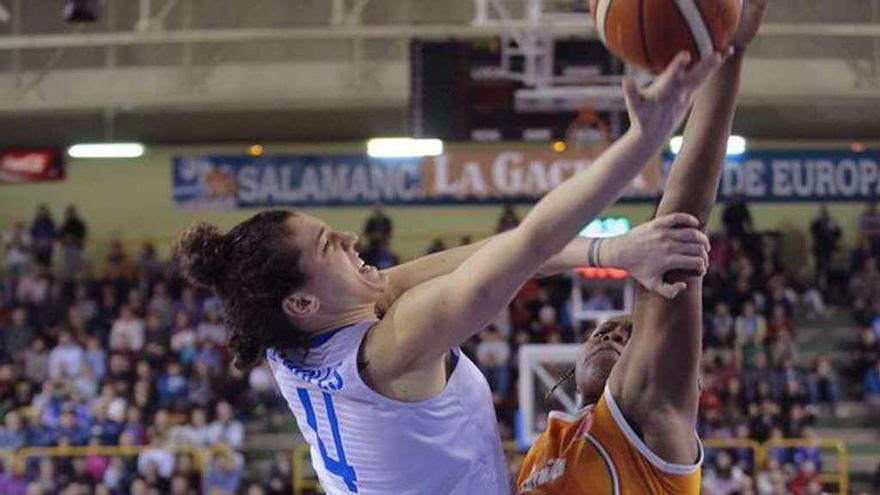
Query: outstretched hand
[658,109]
[671,242]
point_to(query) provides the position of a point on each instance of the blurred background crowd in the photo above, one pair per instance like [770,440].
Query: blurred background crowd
[120,352]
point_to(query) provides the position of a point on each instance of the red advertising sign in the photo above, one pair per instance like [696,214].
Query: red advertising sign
[30,165]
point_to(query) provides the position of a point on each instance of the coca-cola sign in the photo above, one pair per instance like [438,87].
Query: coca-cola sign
[30,165]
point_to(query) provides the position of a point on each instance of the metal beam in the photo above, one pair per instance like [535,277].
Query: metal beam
[374,32]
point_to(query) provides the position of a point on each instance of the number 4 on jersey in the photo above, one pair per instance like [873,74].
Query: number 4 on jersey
[339,467]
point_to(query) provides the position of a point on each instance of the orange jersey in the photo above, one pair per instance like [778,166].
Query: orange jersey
[598,452]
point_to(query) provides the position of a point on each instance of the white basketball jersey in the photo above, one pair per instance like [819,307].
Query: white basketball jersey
[362,442]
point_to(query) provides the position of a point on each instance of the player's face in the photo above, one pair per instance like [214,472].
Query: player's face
[336,273]
[598,356]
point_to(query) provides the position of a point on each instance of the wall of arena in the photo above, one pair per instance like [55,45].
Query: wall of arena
[131,199]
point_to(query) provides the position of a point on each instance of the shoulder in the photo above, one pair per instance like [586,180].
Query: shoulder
[613,426]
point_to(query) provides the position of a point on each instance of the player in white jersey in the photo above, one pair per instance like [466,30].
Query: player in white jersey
[390,405]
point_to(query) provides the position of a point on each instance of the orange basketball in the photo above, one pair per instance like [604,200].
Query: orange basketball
[649,33]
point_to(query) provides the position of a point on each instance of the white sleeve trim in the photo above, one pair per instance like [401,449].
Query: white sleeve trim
[647,453]
[569,418]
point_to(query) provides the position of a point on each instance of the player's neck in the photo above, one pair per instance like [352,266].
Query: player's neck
[325,323]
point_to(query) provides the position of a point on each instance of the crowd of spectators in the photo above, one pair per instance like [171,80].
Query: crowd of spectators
[118,353]
[122,353]
[757,385]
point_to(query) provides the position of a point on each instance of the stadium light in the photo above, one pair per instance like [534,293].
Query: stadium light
[106,150]
[736,145]
[403,147]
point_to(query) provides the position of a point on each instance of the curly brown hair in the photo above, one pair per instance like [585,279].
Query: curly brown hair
[252,268]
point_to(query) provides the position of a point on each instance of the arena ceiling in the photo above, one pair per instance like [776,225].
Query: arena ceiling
[211,70]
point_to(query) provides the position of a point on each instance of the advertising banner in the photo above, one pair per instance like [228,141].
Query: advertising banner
[30,165]
[456,177]
[484,177]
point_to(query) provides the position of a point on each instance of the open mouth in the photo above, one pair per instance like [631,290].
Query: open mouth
[362,267]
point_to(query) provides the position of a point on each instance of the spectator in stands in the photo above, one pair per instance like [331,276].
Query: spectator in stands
[12,434]
[172,387]
[72,236]
[807,475]
[864,288]
[863,251]
[780,323]
[33,287]
[436,246]
[826,235]
[160,303]
[824,384]
[180,486]
[865,354]
[148,266]
[598,300]
[183,338]
[10,482]
[378,225]
[223,475]
[157,457]
[869,226]
[493,354]
[66,358]
[279,475]
[127,333]
[17,334]
[35,360]
[201,384]
[17,249]
[194,433]
[116,262]
[189,303]
[736,216]
[211,329]
[547,328]
[872,387]
[43,235]
[751,334]
[723,478]
[721,336]
[225,429]
[759,372]
[508,219]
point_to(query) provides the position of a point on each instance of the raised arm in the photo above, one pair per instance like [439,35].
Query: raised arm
[655,381]
[438,315]
[647,253]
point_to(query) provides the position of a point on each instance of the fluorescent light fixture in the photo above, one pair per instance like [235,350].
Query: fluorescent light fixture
[736,145]
[106,150]
[403,147]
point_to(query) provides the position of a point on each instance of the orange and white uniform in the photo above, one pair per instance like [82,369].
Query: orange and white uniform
[597,452]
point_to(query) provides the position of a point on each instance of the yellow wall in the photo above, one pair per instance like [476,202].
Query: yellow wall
[132,199]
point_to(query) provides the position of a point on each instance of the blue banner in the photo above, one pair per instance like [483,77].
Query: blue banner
[295,180]
[479,177]
[801,176]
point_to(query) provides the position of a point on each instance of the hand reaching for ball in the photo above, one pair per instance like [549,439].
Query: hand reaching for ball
[658,109]
[752,14]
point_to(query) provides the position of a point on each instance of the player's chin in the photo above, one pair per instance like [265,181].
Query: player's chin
[600,364]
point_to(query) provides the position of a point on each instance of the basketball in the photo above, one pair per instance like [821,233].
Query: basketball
[648,33]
